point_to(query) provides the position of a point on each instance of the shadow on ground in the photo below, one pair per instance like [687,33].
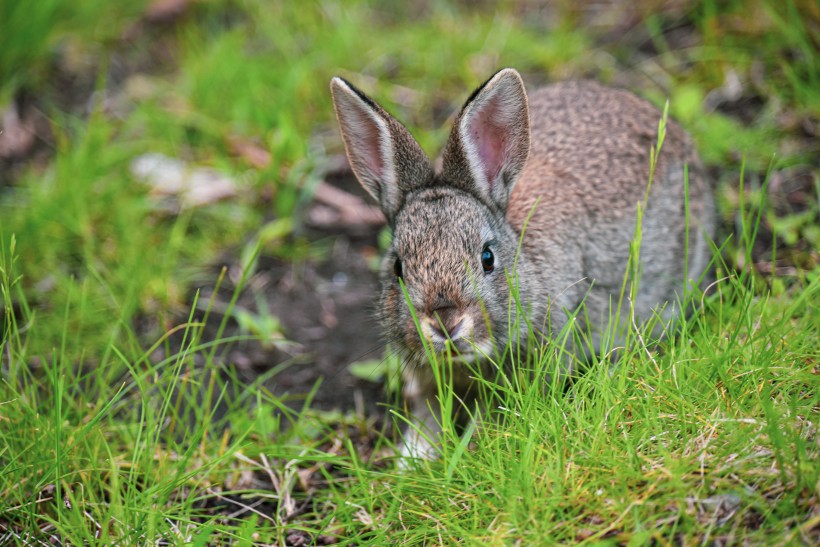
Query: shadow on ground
[325,304]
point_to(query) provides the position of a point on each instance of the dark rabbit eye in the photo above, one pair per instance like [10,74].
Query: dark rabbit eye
[487,260]
[397,268]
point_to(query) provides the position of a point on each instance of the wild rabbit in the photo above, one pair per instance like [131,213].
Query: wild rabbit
[567,168]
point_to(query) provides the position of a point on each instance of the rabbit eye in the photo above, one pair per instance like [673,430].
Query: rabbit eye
[397,268]
[487,260]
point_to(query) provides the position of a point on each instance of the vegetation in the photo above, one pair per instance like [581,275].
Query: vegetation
[122,419]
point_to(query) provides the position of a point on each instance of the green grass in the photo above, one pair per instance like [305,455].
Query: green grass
[34,38]
[709,436]
[641,452]
[723,413]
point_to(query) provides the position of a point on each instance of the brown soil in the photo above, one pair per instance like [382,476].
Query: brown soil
[326,306]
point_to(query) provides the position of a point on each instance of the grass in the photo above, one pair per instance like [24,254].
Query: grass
[710,436]
[34,38]
[631,460]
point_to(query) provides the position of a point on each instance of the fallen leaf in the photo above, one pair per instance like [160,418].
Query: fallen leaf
[194,186]
[250,151]
[166,11]
[17,133]
[337,209]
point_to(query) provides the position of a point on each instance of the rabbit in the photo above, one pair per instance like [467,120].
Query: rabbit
[546,187]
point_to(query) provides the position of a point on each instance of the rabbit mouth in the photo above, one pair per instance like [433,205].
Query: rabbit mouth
[458,351]
[459,339]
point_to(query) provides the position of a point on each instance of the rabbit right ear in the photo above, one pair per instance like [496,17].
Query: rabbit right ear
[490,140]
[385,158]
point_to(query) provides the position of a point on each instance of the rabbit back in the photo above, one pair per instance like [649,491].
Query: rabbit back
[588,169]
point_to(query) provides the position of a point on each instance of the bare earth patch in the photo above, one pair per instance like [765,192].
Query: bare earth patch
[325,304]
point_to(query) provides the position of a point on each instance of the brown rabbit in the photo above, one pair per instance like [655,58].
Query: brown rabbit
[568,168]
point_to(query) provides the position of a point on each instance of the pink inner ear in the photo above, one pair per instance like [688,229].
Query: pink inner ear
[367,148]
[488,135]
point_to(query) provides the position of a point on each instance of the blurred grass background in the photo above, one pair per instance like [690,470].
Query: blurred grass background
[96,268]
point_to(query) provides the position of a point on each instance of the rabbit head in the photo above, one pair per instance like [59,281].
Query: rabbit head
[453,250]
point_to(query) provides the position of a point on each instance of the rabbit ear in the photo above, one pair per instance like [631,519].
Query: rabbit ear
[490,141]
[383,155]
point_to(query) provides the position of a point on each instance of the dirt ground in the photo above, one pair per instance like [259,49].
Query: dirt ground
[326,307]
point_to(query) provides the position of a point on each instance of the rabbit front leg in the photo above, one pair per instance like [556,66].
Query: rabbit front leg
[421,435]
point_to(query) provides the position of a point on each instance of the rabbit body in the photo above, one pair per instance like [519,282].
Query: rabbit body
[567,168]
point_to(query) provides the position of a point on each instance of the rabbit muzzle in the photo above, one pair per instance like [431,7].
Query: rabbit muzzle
[446,323]
[450,328]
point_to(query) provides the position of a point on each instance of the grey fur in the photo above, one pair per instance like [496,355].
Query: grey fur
[577,150]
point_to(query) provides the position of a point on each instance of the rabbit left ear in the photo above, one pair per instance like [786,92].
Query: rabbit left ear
[383,155]
[490,141]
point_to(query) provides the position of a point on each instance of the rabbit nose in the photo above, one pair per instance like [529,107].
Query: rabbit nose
[446,322]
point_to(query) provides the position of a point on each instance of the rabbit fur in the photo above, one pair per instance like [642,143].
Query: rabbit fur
[568,167]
